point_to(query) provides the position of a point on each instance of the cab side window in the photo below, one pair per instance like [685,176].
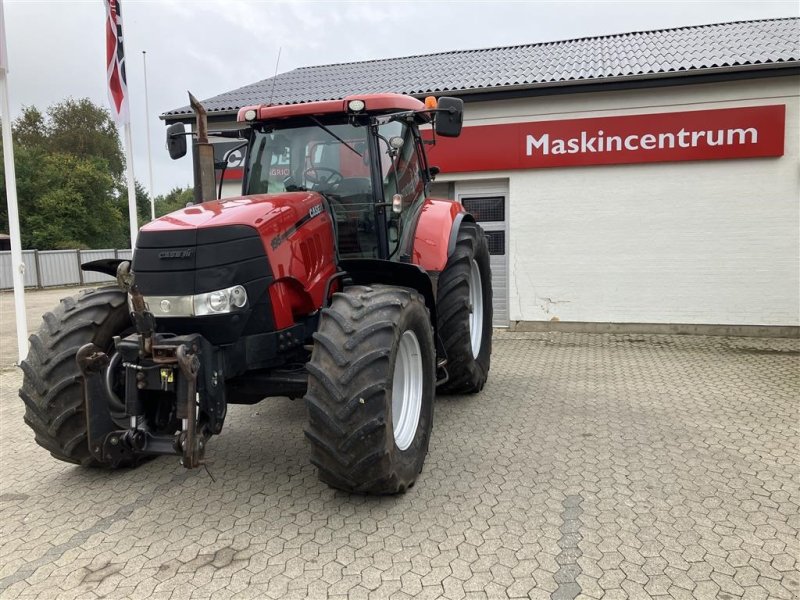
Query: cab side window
[400,164]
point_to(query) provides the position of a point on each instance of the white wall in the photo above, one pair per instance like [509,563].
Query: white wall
[231,189]
[708,242]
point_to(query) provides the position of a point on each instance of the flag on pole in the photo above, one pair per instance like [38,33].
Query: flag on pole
[118,98]
[115,63]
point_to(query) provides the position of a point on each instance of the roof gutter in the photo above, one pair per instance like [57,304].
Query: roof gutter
[746,70]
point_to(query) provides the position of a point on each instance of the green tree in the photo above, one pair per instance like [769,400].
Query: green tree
[176,199]
[68,204]
[142,203]
[69,166]
[84,129]
[30,129]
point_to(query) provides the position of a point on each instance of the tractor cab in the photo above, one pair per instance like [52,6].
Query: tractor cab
[363,154]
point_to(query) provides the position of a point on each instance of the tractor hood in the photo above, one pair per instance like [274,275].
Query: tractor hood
[264,212]
[249,241]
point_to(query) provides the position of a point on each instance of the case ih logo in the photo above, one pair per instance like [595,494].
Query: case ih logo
[170,254]
[749,132]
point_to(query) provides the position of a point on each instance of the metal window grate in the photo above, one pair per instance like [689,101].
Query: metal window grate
[488,208]
[496,240]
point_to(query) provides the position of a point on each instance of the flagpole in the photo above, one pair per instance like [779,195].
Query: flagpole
[17,266]
[147,128]
[132,218]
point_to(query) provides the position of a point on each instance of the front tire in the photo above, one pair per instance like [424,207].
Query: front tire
[371,387]
[51,384]
[464,312]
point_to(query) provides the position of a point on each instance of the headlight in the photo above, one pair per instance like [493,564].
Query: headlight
[238,296]
[218,302]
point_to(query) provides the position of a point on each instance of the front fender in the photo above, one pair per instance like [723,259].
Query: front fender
[435,233]
[104,265]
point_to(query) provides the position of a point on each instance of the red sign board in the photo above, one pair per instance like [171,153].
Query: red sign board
[676,136]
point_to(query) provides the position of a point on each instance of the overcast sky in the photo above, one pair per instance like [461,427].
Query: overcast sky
[56,49]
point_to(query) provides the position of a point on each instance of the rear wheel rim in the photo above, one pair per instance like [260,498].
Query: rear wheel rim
[476,308]
[407,390]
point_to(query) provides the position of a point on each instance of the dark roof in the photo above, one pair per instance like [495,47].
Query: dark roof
[689,50]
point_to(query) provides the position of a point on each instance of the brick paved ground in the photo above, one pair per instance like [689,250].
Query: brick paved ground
[591,466]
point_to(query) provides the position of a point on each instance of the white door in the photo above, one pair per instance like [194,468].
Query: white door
[488,203]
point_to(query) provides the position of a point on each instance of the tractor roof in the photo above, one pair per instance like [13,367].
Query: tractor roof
[374,103]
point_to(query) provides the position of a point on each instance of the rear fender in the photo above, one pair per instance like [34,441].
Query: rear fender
[436,232]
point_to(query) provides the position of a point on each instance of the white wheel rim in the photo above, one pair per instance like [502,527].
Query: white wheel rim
[476,308]
[407,390]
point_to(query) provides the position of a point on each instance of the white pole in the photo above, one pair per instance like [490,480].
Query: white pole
[134,223]
[147,128]
[17,266]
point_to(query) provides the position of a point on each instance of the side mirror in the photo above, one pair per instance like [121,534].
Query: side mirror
[449,117]
[176,140]
[433,171]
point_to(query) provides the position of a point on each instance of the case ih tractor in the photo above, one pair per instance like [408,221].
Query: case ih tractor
[334,277]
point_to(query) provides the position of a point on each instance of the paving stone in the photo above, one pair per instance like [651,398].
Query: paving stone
[591,466]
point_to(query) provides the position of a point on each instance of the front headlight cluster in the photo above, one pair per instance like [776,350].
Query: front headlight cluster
[218,302]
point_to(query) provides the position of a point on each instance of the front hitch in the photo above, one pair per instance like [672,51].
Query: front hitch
[111,445]
[153,364]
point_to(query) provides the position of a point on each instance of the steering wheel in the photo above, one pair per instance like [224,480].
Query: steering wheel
[317,176]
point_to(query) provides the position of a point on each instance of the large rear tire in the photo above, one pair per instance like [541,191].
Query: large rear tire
[464,312]
[371,388]
[51,384]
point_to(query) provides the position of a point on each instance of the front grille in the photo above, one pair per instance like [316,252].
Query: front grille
[184,262]
[193,261]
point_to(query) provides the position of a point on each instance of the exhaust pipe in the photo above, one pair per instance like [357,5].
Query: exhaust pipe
[205,187]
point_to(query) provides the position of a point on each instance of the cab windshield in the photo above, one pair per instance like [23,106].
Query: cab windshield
[330,158]
[333,158]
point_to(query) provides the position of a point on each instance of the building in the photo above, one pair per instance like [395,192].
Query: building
[646,181]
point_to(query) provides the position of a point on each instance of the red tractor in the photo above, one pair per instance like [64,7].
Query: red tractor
[334,277]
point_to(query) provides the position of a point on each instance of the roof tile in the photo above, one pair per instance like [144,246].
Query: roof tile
[623,55]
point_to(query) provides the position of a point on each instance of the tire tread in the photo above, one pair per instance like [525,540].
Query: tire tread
[467,374]
[348,372]
[51,390]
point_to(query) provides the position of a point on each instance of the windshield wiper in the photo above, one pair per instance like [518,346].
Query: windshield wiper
[329,132]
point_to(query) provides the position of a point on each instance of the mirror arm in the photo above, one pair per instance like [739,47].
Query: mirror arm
[227,133]
[224,167]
